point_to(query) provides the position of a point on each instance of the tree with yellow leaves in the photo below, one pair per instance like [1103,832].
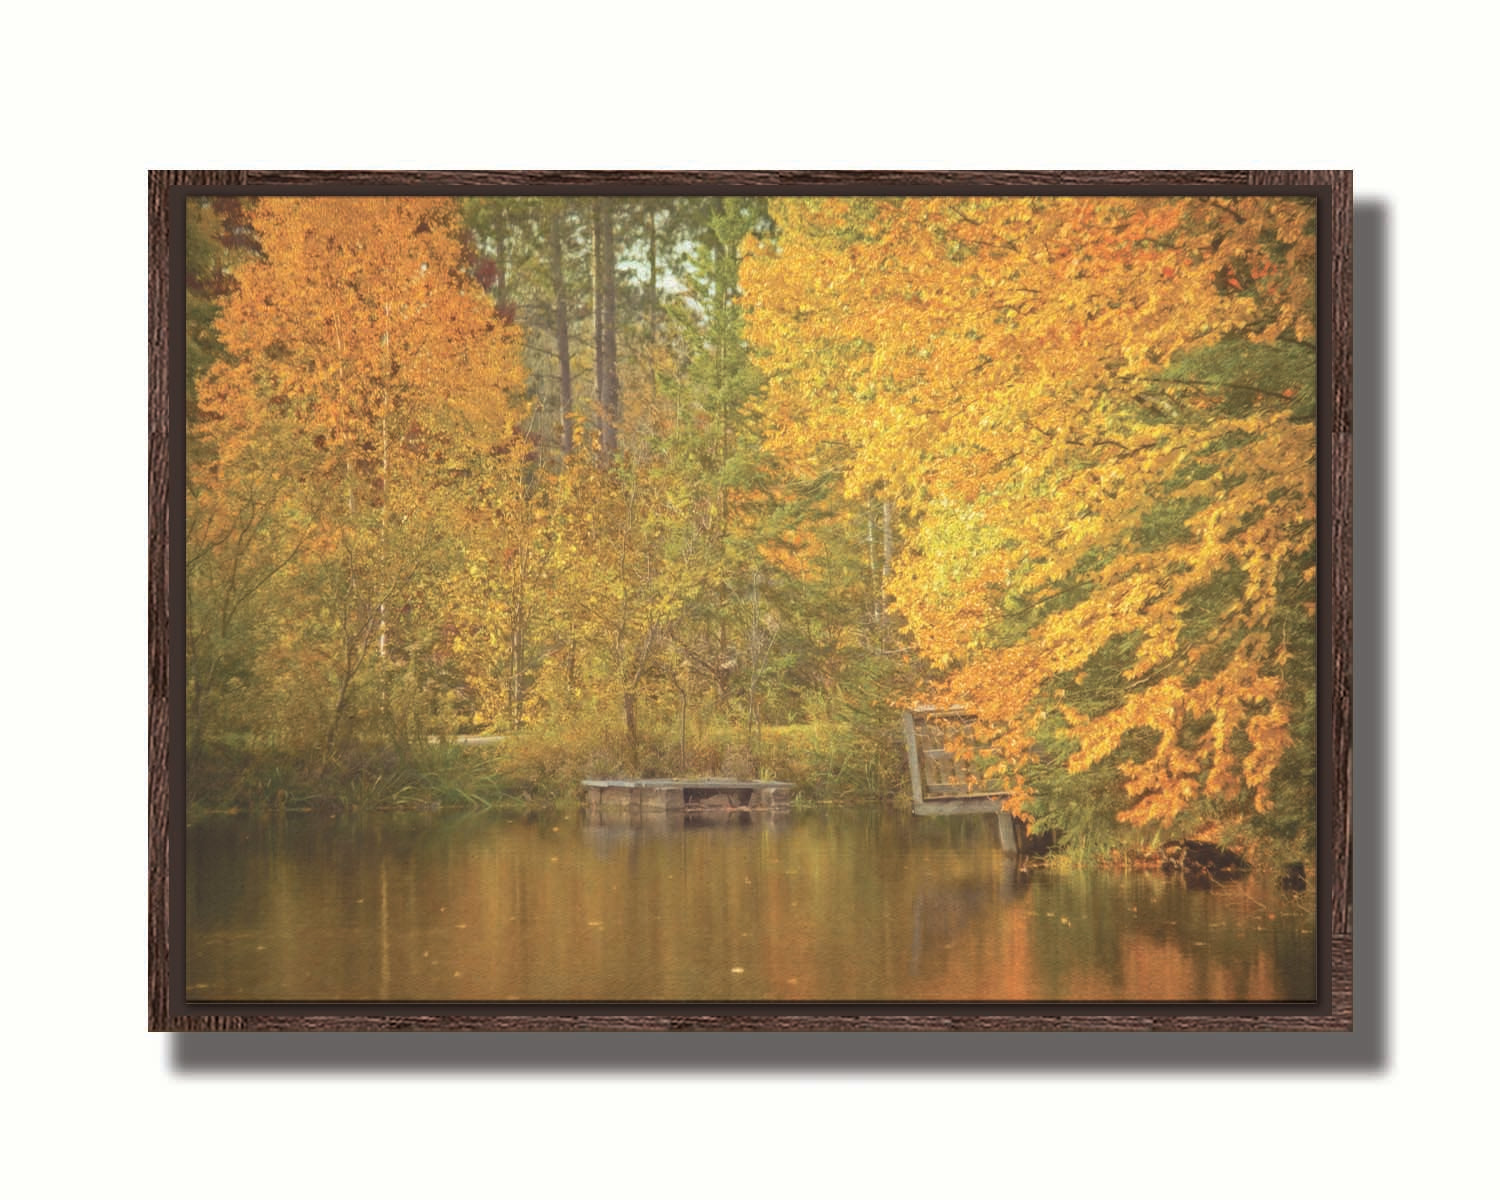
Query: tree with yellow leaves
[1093,418]
[364,382]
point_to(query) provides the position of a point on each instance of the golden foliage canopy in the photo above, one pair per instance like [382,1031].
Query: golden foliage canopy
[1095,418]
[358,314]
[364,382]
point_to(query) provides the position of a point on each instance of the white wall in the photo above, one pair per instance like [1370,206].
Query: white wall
[92,102]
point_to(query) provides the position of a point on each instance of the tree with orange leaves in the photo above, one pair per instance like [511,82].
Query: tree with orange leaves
[365,381]
[1093,418]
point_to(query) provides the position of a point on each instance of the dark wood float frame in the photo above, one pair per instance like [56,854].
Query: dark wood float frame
[169,1009]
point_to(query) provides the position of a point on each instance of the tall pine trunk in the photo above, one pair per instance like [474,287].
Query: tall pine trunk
[560,326]
[606,379]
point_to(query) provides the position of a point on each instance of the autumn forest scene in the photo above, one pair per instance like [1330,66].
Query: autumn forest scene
[659,486]
[573,580]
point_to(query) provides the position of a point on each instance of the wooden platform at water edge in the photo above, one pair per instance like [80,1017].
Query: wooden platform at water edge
[688,795]
[936,789]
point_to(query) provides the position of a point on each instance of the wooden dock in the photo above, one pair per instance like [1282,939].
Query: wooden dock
[936,789]
[688,795]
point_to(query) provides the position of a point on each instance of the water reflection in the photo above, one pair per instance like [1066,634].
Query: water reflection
[837,904]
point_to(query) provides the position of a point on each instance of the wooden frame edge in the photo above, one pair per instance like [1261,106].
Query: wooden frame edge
[1336,934]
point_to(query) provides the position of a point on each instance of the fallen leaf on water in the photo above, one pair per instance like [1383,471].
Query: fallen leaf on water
[736,970]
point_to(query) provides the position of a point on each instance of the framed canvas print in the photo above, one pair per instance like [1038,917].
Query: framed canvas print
[750,600]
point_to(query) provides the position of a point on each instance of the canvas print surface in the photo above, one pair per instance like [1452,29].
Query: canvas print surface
[722,598]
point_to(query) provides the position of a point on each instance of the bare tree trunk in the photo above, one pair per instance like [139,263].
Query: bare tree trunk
[651,305]
[632,733]
[517,668]
[501,299]
[606,380]
[886,554]
[886,540]
[560,327]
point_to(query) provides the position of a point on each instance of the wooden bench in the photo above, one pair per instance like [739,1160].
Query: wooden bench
[936,789]
[688,795]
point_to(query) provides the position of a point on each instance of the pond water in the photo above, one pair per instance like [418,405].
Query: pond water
[825,904]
